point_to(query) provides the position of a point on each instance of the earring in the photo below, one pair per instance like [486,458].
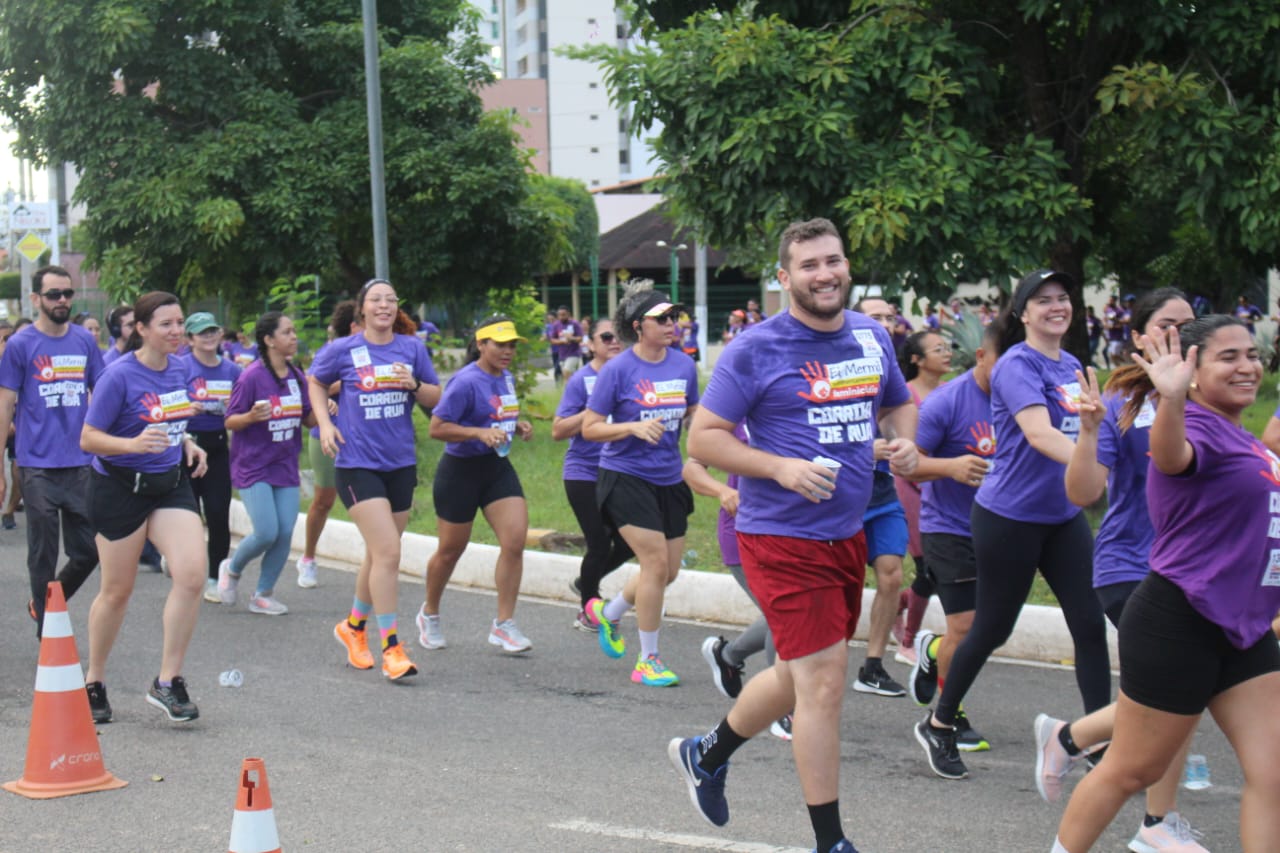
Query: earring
[1194,385]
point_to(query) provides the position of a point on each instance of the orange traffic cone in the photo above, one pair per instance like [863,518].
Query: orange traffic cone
[253,829]
[63,756]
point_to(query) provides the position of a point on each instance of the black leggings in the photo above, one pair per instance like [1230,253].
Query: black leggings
[1008,553]
[605,552]
[213,494]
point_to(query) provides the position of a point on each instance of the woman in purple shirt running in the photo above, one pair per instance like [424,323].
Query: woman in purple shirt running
[1196,633]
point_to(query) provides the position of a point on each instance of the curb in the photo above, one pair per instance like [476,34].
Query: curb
[1040,635]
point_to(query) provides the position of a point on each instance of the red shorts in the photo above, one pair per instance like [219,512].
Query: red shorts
[810,591]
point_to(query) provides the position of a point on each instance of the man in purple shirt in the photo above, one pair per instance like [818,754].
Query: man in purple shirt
[120,327]
[566,340]
[46,373]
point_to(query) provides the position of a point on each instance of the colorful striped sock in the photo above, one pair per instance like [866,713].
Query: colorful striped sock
[360,611]
[387,628]
[932,650]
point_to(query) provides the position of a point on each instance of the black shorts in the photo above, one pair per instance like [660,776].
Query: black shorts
[116,512]
[625,499]
[954,570]
[465,484]
[1113,597]
[361,484]
[1173,659]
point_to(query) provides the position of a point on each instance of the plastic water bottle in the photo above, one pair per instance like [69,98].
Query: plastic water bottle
[1195,777]
[231,678]
[504,449]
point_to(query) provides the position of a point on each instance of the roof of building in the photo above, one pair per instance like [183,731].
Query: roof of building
[634,244]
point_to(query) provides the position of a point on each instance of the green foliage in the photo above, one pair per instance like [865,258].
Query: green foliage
[571,221]
[222,145]
[10,285]
[524,307]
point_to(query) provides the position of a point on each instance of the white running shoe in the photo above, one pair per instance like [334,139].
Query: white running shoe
[430,636]
[267,606]
[509,636]
[211,591]
[1171,835]
[1052,761]
[227,583]
[307,573]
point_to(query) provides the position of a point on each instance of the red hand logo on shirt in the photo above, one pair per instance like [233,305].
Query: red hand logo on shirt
[819,380]
[277,410]
[648,394]
[366,379]
[199,389]
[155,411]
[496,402]
[44,368]
[984,439]
[1272,472]
[1069,401]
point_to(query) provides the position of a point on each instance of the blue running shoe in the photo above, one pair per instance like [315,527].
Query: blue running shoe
[611,642]
[706,790]
[845,846]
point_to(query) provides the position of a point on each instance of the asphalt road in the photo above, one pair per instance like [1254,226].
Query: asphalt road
[551,751]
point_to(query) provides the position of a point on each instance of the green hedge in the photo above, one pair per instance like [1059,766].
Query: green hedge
[10,285]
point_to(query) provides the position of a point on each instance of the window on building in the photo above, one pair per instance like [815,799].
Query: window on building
[593,85]
[595,150]
[624,157]
[522,66]
[595,117]
[494,29]
[595,183]
[521,5]
[522,34]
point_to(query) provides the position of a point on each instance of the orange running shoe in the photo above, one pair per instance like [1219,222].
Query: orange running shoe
[396,664]
[354,642]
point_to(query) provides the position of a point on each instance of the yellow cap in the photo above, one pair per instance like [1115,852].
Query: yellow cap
[502,332]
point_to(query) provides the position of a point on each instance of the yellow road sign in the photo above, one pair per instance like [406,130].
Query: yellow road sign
[31,247]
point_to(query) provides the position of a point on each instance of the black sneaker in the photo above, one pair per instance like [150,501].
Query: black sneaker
[940,746]
[967,737]
[173,700]
[878,682]
[728,677]
[98,704]
[781,727]
[922,683]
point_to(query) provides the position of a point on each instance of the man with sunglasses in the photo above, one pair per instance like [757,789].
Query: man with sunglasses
[46,374]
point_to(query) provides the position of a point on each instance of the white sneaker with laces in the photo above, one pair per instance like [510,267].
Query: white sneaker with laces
[307,573]
[1171,835]
[430,635]
[267,605]
[509,636]
[227,583]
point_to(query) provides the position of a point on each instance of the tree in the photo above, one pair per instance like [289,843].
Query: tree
[957,139]
[222,145]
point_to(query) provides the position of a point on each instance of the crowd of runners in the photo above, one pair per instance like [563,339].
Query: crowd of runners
[842,450]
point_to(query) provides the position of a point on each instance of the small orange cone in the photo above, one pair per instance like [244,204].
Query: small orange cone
[253,829]
[63,756]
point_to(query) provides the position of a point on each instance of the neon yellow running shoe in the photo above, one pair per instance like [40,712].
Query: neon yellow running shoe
[612,643]
[652,672]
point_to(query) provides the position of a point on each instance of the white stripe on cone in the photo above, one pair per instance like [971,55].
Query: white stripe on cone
[254,832]
[59,679]
[56,625]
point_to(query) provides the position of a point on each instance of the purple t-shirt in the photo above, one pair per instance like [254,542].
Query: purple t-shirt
[808,394]
[110,355]
[1123,546]
[582,459]
[375,415]
[239,353]
[52,377]
[1024,484]
[267,451]
[628,388]
[955,420]
[1215,526]
[477,398]
[210,387]
[573,350]
[131,396]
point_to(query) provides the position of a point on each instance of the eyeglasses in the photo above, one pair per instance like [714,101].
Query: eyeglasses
[56,295]
[606,337]
[940,349]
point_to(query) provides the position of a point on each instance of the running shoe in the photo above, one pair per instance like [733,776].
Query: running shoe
[652,672]
[706,790]
[227,583]
[905,655]
[7,521]
[307,573]
[396,664]
[923,680]
[267,606]
[1052,761]
[430,636]
[940,747]
[356,644]
[509,636]
[1171,835]
[877,682]
[173,700]
[967,737]
[845,846]
[211,591]
[612,643]
[781,727]
[727,676]
[98,704]
[582,623]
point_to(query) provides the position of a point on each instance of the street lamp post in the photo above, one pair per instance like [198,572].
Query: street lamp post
[675,267]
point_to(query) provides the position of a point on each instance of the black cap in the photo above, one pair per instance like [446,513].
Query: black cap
[653,303]
[1034,281]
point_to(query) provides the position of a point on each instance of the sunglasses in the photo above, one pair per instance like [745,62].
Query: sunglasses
[606,337]
[663,319]
[55,294]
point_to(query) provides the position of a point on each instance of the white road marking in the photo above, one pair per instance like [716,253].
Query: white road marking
[695,842]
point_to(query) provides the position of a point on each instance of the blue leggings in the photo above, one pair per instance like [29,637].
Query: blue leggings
[273,511]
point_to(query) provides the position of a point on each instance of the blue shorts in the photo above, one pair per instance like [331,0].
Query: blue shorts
[886,527]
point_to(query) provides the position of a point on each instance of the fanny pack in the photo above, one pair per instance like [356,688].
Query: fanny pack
[146,483]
